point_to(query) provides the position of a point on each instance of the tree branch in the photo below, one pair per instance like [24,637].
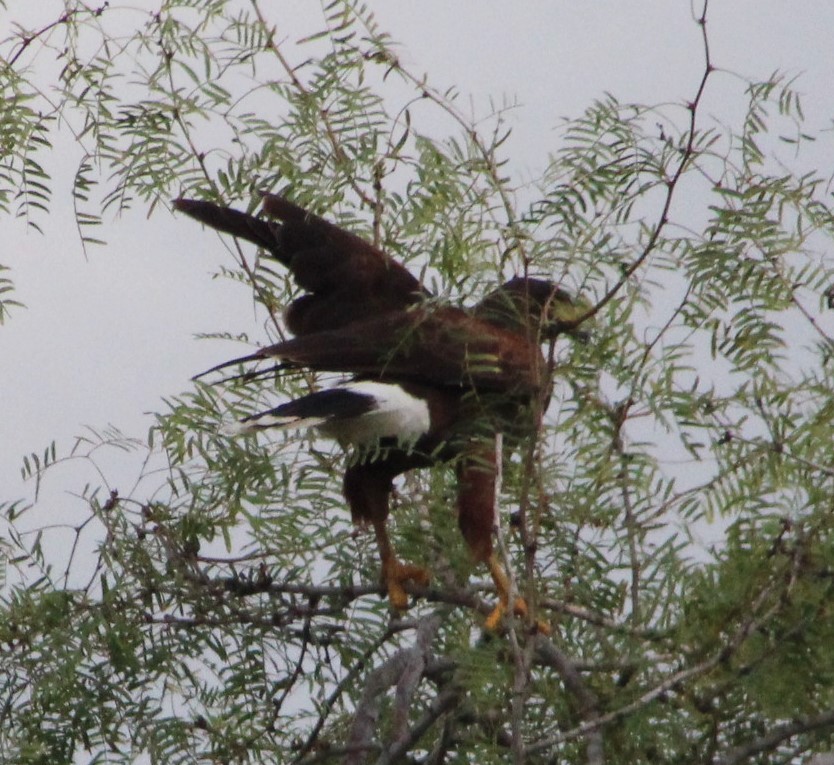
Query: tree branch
[589,708]
[404,669]
[441,704]
[775,737]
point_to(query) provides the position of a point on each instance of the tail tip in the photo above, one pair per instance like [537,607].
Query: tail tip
[235,428]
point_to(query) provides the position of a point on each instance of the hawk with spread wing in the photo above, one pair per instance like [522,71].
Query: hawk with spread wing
[429,382]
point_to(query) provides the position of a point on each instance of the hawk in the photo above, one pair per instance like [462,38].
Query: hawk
[429,382]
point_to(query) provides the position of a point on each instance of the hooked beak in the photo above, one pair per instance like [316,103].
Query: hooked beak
[564,316]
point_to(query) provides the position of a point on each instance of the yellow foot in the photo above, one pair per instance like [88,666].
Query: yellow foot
[493,621]
[395,574]
[502,585]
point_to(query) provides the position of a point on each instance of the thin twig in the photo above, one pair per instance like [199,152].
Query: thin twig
[441,704]
[329,703]
[330,132]
[671,185]
[27,39]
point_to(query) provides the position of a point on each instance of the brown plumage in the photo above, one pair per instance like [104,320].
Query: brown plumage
[432,382]
[345,277]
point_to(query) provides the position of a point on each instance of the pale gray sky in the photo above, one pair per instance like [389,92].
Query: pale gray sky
[103,340]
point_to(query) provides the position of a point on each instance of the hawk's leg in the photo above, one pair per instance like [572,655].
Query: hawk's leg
[478,479]
[394,573]
[368,488]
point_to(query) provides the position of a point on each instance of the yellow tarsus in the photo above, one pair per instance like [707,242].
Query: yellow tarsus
[394,573]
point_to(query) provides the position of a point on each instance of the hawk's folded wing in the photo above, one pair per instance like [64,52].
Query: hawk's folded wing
[432,346]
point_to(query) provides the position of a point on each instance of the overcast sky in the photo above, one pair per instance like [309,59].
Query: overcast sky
[103,340]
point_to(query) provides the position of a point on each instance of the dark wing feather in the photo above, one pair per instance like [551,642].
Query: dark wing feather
[234,222]
[346,278]
[445,347]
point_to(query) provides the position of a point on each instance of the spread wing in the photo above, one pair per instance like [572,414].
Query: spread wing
[440,346]
[346,278]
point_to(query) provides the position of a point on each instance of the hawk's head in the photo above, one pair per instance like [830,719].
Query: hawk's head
[527,304]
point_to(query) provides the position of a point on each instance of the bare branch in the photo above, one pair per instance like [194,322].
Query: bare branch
[404,670]
[441,704]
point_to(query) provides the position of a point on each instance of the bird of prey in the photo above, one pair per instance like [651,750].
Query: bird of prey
[429,382]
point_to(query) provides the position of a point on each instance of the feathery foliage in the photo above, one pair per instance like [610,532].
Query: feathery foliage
[224,610]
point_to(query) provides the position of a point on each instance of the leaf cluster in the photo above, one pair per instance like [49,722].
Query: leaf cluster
[224,609]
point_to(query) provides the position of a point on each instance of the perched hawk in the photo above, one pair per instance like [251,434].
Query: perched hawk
[429,382]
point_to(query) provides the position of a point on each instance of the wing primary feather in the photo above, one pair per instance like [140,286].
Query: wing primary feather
[257,356]
[257,374]
[235,222]
[224,365]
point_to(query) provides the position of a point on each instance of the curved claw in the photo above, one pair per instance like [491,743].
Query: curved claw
[502,585]
[395,574]
[493,621]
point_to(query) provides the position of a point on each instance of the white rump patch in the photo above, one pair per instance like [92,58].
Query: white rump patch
[395,414]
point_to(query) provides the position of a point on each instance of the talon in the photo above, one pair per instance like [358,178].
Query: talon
[395,574]
[543,628]
[493,621]
[502,585]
